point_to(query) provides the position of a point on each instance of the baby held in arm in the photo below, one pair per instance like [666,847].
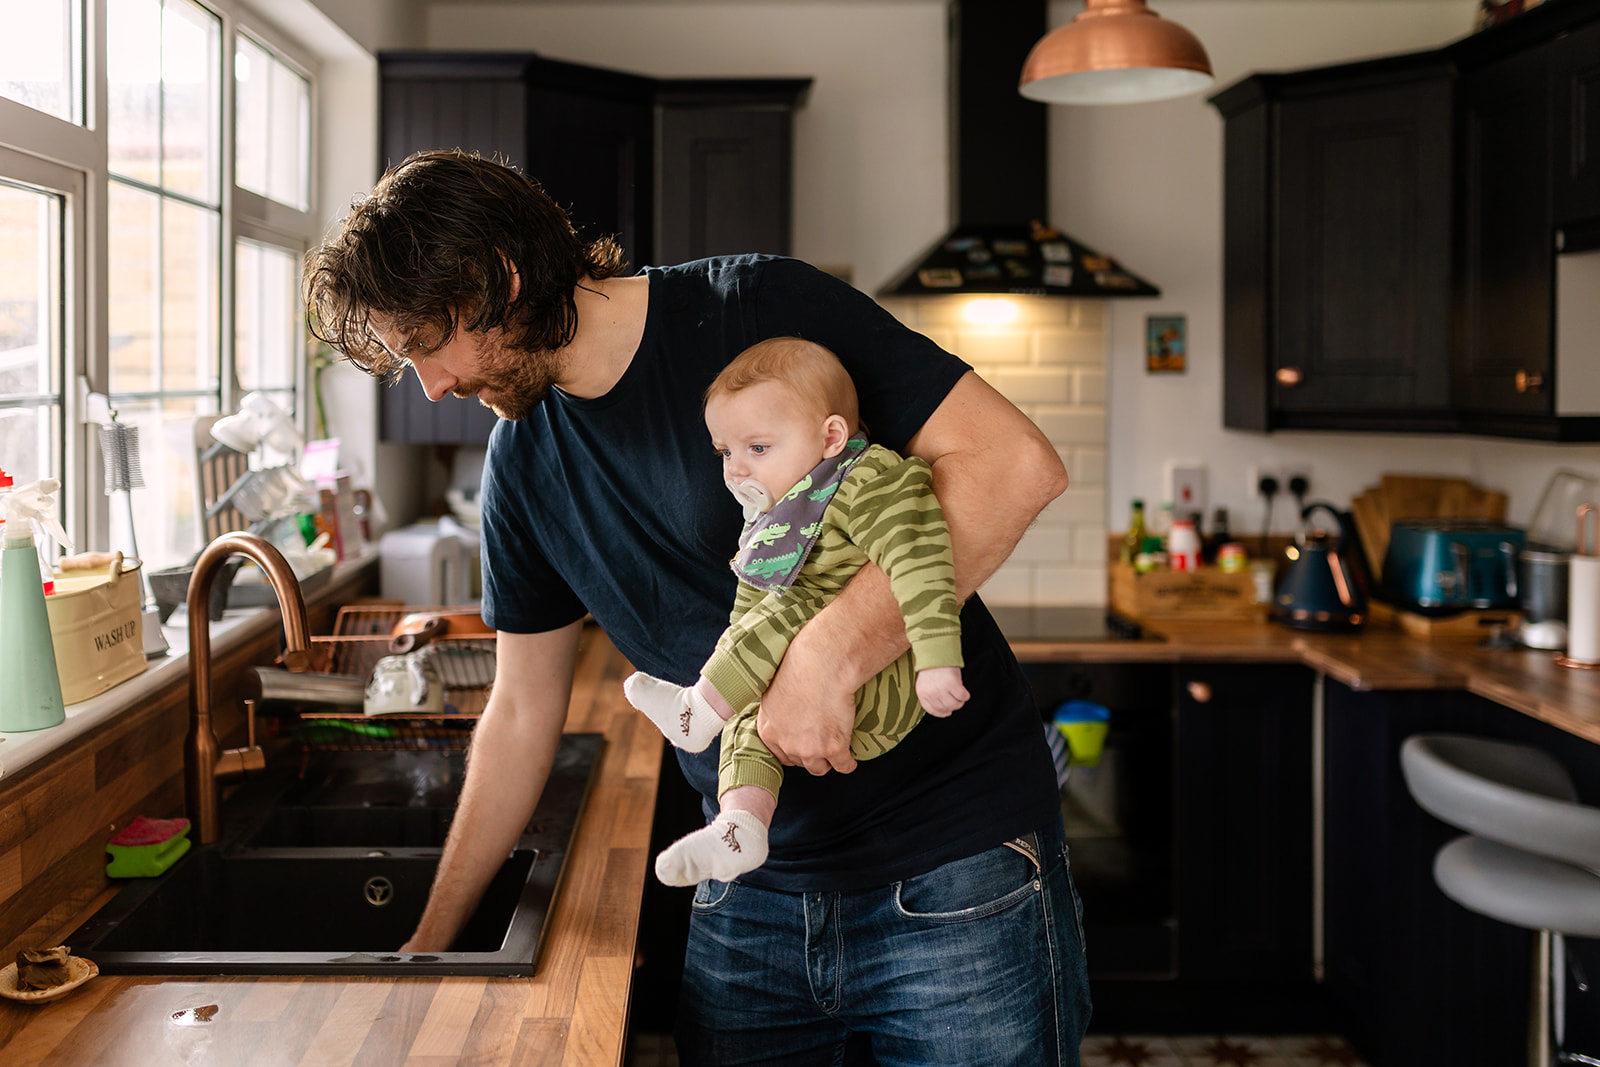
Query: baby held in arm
[819,504]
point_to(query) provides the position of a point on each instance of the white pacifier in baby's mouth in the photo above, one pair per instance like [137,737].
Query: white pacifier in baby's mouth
[752,495]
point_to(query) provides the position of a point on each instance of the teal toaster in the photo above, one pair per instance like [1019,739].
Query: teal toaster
[1437,566]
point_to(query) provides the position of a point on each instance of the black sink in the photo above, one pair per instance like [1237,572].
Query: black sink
[328,874]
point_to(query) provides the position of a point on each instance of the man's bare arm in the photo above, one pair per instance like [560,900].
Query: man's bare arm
[993,472]
[513,748]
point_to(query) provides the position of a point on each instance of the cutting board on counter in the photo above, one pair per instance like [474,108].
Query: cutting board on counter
[1417,496]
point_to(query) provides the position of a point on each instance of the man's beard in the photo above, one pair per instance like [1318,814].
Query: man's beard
[511,381]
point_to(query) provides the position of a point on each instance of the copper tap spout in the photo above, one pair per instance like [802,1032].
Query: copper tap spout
[205,764]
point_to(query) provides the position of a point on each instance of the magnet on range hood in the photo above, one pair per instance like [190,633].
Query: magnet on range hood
[998,179]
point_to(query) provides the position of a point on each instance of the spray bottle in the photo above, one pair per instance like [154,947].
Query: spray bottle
[30,688]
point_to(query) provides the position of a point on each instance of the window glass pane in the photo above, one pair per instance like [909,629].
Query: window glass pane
[39,53]
[273,105]
[191,100]
[190,283]
[252,107]
[30,333]
[166,510]
[133,89]
[133,287]
[266,319]
[291,137]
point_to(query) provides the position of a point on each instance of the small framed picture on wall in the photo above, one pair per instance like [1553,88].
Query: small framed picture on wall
[1166,339]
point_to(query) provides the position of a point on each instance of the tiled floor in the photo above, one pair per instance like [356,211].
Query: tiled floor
[1198,1050]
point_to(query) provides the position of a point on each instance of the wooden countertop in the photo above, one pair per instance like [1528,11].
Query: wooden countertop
[1378,657]
[574,1011]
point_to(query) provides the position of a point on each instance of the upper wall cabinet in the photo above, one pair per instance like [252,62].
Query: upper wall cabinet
[1576,67]
[674,169]
[1505,260]
[1338,193]
[1391,232]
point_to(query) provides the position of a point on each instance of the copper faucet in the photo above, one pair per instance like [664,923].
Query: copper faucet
[205,763]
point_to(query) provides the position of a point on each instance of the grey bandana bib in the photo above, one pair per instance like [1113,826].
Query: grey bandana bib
[774,546]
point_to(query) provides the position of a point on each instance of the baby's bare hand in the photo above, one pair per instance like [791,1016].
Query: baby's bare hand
[940,691]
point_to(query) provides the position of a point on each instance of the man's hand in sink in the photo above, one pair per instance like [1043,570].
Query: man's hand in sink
[513,748]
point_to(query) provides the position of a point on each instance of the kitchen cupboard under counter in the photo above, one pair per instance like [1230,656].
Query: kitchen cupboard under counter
[1525,680]
[573,1010]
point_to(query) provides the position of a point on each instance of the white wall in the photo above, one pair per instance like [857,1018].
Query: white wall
[1145,183]
[871,163]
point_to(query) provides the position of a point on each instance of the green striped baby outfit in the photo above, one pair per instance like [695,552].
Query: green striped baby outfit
[883,512]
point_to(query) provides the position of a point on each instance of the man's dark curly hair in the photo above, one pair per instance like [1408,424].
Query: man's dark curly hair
[431,250]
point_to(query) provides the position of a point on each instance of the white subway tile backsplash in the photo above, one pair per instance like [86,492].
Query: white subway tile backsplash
[1044,543]
[990,347]
[1070,346]
[1086,469]
[1051,362]
[1091,388]
[1074,584]
[1027,311]
[1076,507]
[1072,426]
[1089,544]
[1012,585]
[1032,386]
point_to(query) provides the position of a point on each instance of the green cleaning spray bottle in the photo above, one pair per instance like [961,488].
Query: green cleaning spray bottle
[30,688]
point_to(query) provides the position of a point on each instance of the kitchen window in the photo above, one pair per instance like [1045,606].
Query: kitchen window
[158,260]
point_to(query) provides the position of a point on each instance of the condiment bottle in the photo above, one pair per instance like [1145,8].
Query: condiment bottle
[1183,546]
[1133,541]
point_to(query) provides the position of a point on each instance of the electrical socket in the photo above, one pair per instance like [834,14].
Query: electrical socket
[1292,471]
[1258,471]
[1186,486]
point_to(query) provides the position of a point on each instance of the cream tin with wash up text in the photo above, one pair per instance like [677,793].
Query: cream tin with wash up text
[96,627]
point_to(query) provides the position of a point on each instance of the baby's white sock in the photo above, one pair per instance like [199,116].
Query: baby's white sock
[682,715]
[735,842]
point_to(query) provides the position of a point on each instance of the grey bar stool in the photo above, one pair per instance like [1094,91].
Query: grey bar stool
[1532,857]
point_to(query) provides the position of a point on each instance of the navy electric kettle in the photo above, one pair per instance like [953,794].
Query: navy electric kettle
[1325,587]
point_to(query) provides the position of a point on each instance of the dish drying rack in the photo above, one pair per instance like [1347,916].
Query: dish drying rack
[360,638]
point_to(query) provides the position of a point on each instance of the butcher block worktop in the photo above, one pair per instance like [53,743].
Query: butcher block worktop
[1375,658]
[573,1011]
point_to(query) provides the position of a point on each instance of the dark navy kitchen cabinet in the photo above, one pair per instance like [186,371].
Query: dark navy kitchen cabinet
[1506,267]
[1576,173]
[1336,247]
[1391,229]
[1245,808]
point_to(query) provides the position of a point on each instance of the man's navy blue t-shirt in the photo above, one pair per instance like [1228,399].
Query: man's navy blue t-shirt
[616,506]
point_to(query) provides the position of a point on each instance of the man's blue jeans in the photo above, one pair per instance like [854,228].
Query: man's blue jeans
[976,962]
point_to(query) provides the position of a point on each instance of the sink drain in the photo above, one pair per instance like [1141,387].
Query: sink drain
[378,891]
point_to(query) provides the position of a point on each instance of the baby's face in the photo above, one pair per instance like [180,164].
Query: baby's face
[767,444]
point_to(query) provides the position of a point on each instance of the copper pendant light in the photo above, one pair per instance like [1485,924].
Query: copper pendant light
[1115,52]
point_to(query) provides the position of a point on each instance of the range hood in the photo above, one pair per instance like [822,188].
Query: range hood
[998,189]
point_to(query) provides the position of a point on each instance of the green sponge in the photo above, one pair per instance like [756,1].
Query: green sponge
[147,847]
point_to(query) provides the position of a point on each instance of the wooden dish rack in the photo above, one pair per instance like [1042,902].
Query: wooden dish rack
[360,639]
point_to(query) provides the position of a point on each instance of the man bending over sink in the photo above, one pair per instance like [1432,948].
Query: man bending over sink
[921,904]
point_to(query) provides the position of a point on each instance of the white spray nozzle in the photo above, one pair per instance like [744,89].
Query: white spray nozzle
[32,506]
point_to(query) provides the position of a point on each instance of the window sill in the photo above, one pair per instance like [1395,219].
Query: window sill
[235,628]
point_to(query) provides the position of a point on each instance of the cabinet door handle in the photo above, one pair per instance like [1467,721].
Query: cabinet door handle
[1289,377]
[1200,692]
[1529,383]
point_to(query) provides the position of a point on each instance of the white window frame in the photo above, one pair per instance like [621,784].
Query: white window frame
[66,157]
